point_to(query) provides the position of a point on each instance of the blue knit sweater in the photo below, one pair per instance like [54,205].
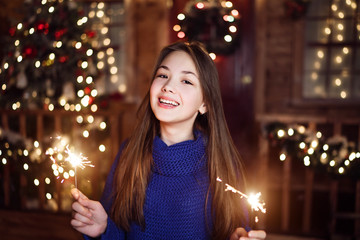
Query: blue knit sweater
[175,198]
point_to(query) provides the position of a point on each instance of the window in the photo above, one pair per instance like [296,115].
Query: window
[331,67]
[109,24]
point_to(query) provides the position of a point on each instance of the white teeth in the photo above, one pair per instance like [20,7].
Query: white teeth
[168,102]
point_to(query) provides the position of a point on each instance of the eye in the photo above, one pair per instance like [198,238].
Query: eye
[161,76]
[187,82]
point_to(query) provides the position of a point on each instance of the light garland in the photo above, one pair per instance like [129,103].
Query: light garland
[214,23]
[334,155]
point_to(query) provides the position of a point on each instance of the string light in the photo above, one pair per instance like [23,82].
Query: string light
[314,148]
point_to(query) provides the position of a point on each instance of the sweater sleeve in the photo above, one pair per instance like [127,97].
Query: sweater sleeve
[112,230]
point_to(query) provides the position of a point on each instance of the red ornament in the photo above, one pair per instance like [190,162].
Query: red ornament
[43,27]
[12,31]
[90,34]
[63,59]
[30,51]
[87,90]
[91,100]
[60,33]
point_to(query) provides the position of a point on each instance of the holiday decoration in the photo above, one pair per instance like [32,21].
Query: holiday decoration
[53,60]
[214,23]
[49,49]
[335,156]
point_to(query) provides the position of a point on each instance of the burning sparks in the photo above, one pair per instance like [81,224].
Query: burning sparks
[77,160]
[61,154]
[252,199]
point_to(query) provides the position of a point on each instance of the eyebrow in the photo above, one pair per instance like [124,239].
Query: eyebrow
[185,72]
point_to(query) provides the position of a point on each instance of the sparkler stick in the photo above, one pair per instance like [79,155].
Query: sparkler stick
[252,199]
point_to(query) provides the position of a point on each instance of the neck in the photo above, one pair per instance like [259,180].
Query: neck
[172,135]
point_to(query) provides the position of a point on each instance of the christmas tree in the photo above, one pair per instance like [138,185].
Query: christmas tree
[48,60]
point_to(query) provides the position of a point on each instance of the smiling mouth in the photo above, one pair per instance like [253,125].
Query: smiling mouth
[168,102]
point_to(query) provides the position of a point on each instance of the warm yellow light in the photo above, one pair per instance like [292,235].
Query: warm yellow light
[338,82]
[318,134]
[307,161]
[48,196]
[327,30]
[290,132]
[281,133]
[314,143]
[79,119]
[94,108]
[89,79]
[332,163]
[176,28]
[325,147]
[102,148]
[36,182]
[86,133]
[343,94]
[103,125]
[338,59]
[181,16]
[320,54]
[232,29]
[47,180]
[84,64]
[213,56]
[66,175]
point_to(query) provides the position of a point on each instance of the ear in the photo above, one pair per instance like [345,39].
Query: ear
[202,109]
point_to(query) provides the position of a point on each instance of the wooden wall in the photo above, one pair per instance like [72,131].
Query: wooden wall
[300,201]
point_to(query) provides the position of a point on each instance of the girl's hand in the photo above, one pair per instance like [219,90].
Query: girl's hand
[241,234]
[88,217]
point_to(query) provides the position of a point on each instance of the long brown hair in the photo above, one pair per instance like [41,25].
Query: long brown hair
[134,168]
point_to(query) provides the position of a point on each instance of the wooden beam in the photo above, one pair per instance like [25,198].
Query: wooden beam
[286,188]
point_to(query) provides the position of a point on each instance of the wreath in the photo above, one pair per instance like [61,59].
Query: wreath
[336,156]
[296,9]
[216,24]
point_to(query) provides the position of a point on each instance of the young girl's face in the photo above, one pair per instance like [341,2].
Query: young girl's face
[175,94]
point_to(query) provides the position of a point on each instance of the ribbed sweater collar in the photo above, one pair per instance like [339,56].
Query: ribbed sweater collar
[181,158]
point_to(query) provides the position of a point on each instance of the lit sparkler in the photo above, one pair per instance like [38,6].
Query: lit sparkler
[76,160]
[252,199]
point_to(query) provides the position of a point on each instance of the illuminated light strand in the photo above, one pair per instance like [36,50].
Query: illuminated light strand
[252,199]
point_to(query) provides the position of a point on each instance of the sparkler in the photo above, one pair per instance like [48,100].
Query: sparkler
[252,199]
[76,160]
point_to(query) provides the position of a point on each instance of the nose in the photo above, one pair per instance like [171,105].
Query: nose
[168,87]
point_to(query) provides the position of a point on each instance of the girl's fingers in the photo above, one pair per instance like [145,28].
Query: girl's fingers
[77,224]
[239,232]
[81,209]
[82,218]
[77,194]
[258,234]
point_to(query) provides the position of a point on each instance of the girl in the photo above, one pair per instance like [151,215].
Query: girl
[162,184]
